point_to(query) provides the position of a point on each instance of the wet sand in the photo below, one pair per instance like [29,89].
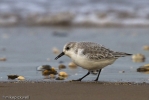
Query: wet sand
[26,48]
[75,90]
[29,53]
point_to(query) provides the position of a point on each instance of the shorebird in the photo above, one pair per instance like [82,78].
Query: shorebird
[90,56]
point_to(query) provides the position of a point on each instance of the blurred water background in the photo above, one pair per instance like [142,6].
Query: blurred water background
[30,29]
[75,12]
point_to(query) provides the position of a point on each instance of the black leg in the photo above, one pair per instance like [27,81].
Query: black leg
[98,75]
[82,77]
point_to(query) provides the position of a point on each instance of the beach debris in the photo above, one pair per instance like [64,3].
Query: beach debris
[146,47]
[63,74]
[143,68]
[3,59]
[12,76]
[122,71]
[72,65]
[94,72]
[55,50]
[61,66]
[138,57]
[53,71]
[60,78]
[21,78]
[43,67]
[52,76]
[47,72]
[59,34]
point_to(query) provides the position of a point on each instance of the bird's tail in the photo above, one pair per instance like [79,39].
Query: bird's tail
[121,54]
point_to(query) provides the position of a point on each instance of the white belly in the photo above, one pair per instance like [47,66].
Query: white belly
[90,64]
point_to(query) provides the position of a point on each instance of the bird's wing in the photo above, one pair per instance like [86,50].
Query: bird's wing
[94,51]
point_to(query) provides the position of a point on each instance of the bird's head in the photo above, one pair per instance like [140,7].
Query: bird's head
[68,50]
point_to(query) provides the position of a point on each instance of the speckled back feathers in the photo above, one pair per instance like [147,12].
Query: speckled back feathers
[94,51]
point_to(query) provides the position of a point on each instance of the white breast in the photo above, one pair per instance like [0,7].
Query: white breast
[85,63]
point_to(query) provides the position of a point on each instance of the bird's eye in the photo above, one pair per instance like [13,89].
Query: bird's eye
[67,48]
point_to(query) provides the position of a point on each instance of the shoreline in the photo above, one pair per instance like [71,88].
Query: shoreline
[83,82]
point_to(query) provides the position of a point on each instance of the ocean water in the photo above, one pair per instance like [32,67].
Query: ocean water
[75,12]
[26,48]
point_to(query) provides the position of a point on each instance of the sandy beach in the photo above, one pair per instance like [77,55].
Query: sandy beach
[74,90]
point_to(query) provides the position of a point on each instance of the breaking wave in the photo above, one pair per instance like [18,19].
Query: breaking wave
[75,12]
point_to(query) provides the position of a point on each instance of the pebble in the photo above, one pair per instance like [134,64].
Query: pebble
[60,34]
[61,66]
[72,65]
[12,76]
[143,68]
[55,50]
[3,59]
[138,57]
[122,71]
[52,76]
[146,47]
[43,67]
[21,78]
[53,71]
[47,72]
[63,74]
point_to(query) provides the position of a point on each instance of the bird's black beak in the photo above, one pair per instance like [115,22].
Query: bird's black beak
[59,55]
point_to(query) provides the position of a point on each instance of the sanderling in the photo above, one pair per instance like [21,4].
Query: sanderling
[90,56]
